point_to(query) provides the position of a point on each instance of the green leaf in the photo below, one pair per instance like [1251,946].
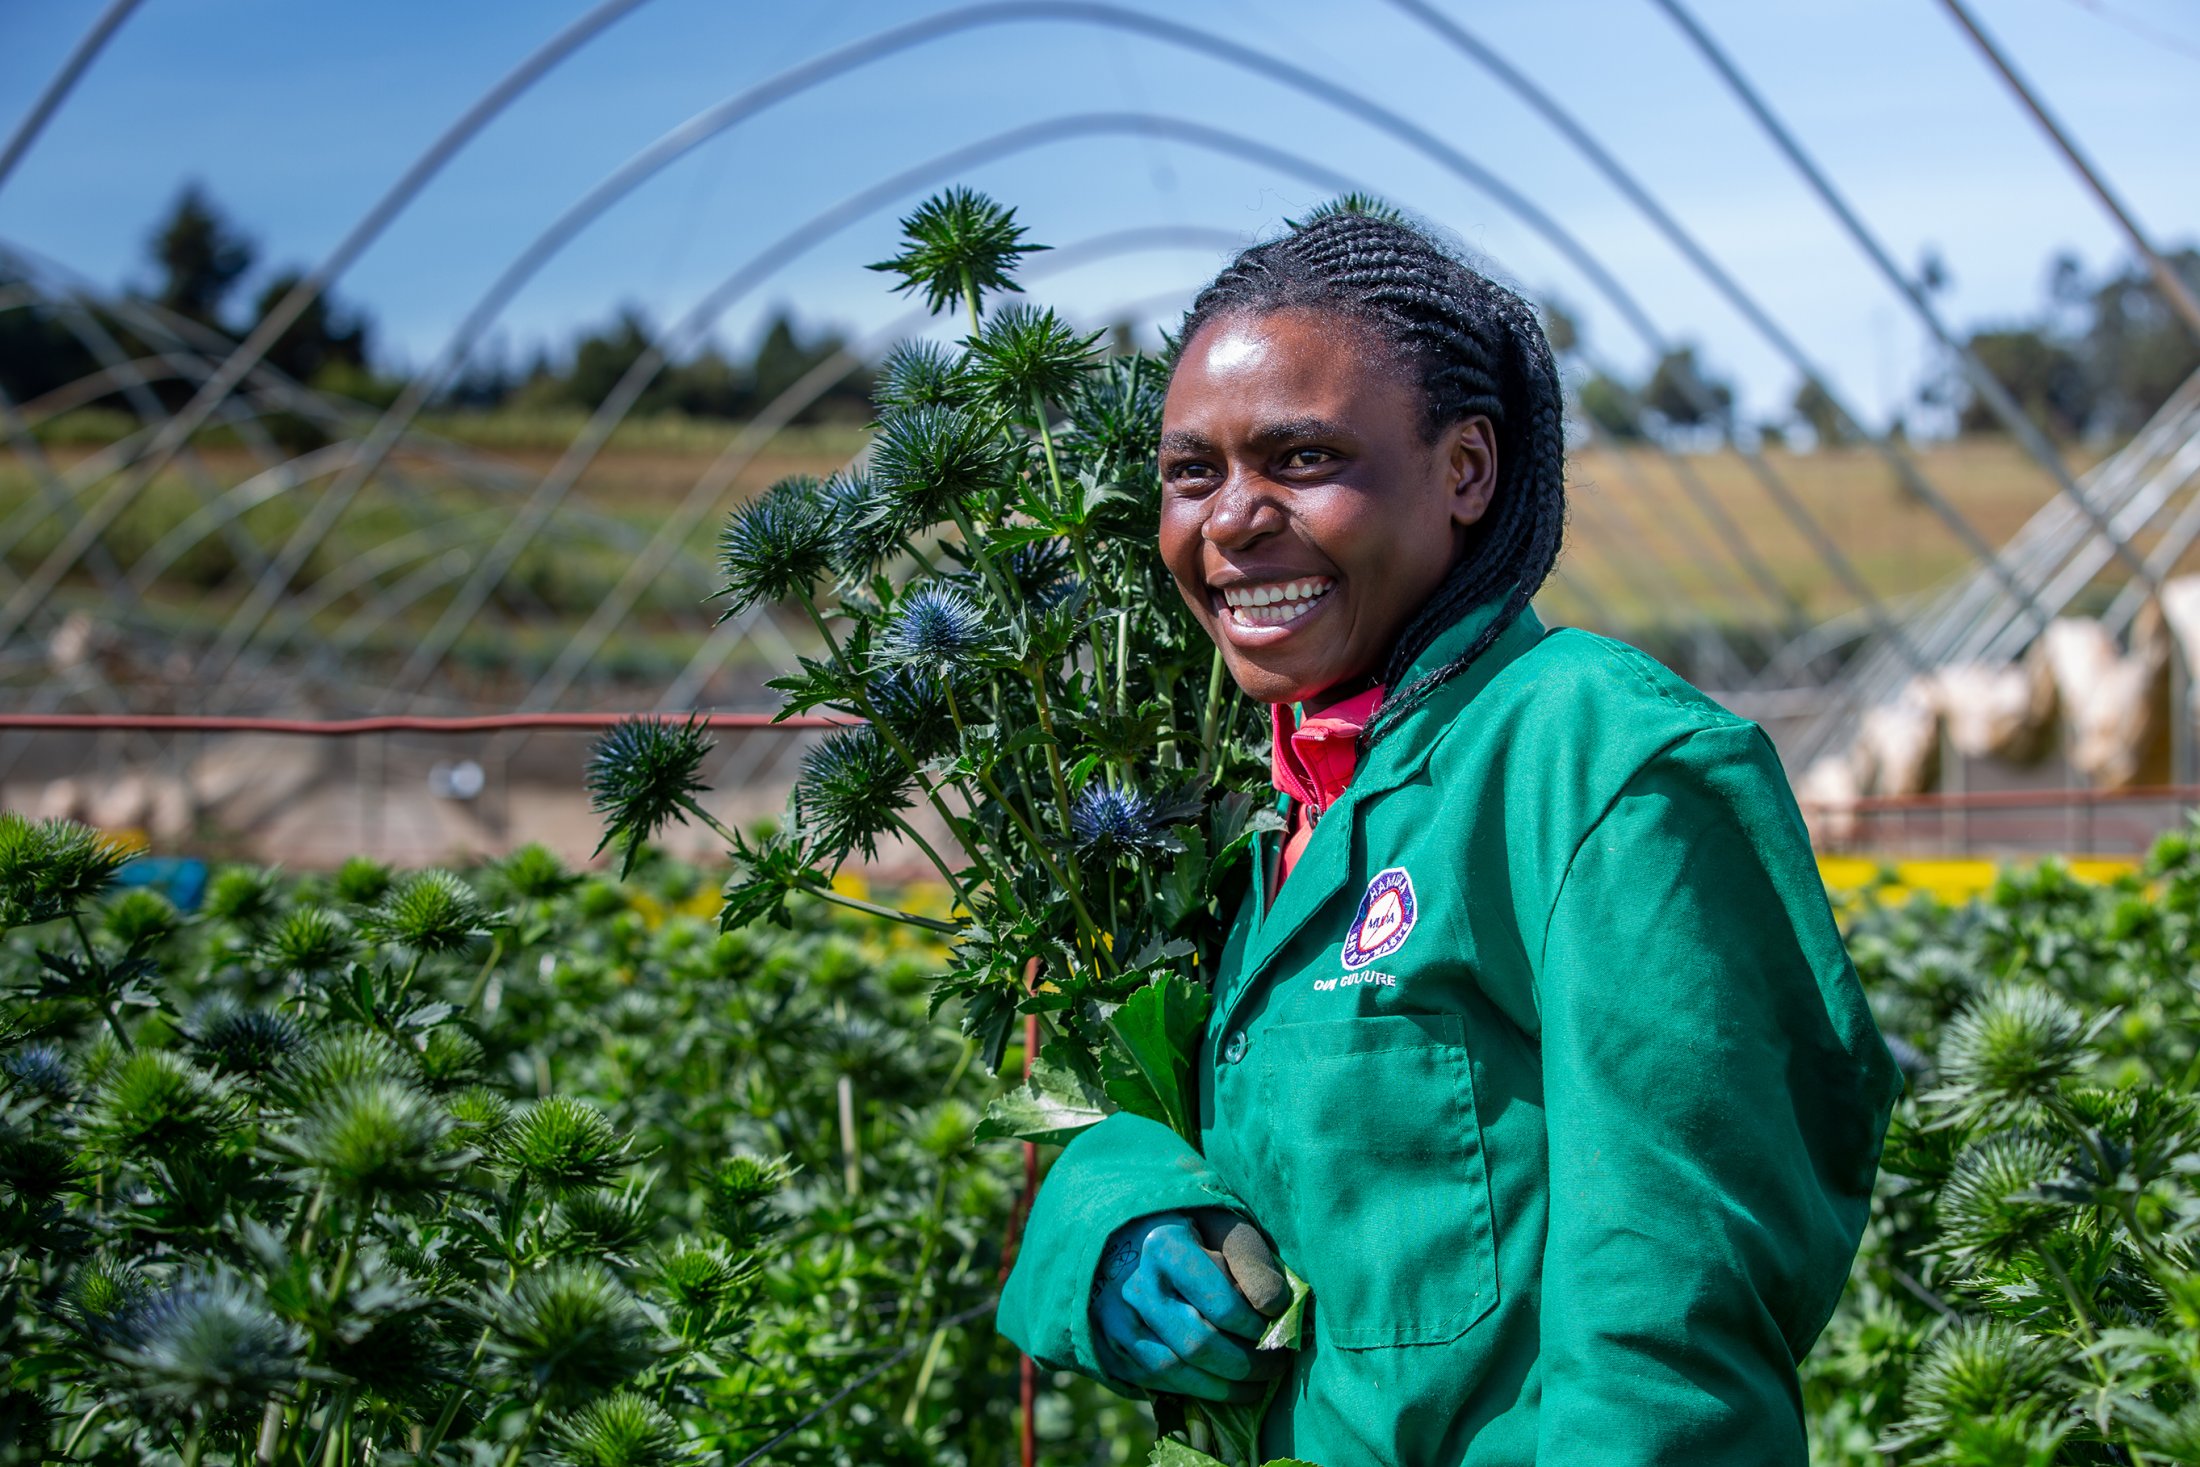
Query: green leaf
[1283,1332]
[1148,1070]
[1169,1452]
[1052,1108]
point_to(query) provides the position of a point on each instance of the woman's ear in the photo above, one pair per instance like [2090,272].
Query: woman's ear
[1470,459]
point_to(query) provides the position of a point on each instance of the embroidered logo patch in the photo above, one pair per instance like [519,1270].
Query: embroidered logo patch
[1385,917]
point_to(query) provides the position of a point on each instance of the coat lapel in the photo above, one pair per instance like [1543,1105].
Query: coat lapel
[1326,864]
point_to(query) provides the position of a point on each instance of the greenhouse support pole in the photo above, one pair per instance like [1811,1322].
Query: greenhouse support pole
[2175,292]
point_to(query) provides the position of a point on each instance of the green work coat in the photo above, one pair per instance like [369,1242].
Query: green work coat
[1547,1070]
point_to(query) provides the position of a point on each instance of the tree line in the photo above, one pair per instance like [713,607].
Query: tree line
[2095,359]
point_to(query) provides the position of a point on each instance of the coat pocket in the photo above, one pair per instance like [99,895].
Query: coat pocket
[1382,1200]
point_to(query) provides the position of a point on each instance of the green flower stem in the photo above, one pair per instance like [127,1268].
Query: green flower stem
[970,297]
[1038,676]
[84,1424]
[1091,575]
[105,1003]
[891,914]
[962,898]
[1004,891]
[1046,859]
[916,768]
[1207,759]
[191,1443]
[983,561]
[481,979]
[527,1432]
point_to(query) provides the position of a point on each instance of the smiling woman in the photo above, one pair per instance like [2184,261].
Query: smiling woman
[1534,1049]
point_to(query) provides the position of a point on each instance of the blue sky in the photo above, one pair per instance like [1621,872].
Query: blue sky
[297,116]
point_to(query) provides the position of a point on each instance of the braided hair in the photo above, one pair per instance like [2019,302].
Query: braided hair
[1473,347]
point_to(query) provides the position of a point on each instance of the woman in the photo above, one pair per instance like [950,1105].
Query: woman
[1534,1049]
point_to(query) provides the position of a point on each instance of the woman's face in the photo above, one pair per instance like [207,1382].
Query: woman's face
[1303,513]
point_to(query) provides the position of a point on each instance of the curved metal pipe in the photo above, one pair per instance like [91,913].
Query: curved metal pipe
[1983,382]
[703,499]
[1905,467]
[62,83]
[178,429]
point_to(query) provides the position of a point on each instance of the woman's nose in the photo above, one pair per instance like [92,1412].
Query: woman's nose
[1242,512]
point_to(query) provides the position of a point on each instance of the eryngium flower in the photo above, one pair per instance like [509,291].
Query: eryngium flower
[2008,1048]
[140,916]
[1979,1368]
[570,1331]
[737,1197]
[1027,356]
[913,703]
[430,912]
[935,460]
[34,1166]
[1992,1205]
[700,1281]
[156,1103]
[361,880]
[921,374]
[1354,202]
[1115,416]
[958,244]
[235,1040]
[1041,571]
[851,786]
[42,1070]
[208,1345]
[49,868]
[103,1292]
[936,629]
[449,1057]
[373,1138]
[1110,824]
[533,873]
[623,1429]
[641,776]
[866,523]
[602,1223]
[245,895]
[308,940]
[776,546]
[562,1145]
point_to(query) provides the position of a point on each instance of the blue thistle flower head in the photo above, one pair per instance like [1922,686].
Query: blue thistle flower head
[850,789]
[934,460]
[866,523]
[42,1070]
[641,776]
[913,703]
[921,374]
[1026,357]
[936,628]
[1110,824]
[776,546]
[210,1345]
[958,244]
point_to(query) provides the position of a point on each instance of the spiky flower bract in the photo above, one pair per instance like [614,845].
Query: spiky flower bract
[569,1331]
[308,940]
[372,1138]
[1992,1206]
[563,1145]
[866,523]
[937,629]
[479,1114]
[851,787]
[103,1292]
[156,1103]
[1354,202]
[959,246]
[1115,418]
[449,1057]
[776,546]
[623,1429]
[140,917]
[235,1040]
[737,1197]
[243,895]
[41,1070]
[533,873]
[922,374]
[1026,356]
[340,1056]
[361,880]
[429,912]
[937,461]
[51,868]
[602,1223]
[2012,1047]
[699,1281]
[208,1345]
[1111,824]
[642,776]
[1041,573]
[1979,1368]
[35,1165]
[913,703]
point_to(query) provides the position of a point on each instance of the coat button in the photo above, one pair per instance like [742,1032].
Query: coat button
[1234,1051]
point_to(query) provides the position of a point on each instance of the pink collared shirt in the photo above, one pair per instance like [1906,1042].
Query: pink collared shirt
[1312,762]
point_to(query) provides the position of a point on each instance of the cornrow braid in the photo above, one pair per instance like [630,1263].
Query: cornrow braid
[1474,348]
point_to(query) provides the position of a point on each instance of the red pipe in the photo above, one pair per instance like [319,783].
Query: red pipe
[351,727]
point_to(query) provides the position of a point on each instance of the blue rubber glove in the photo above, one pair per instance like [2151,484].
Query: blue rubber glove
[1168,1317]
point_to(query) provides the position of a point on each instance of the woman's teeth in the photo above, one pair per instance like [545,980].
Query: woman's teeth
[1276,602]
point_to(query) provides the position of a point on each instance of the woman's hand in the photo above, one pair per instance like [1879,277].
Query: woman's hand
[1169,1318]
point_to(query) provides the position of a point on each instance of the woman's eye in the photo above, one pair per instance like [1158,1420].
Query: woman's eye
[1191,474]
[1307,458]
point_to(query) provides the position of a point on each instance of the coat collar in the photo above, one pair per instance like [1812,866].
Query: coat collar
[1327,860]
